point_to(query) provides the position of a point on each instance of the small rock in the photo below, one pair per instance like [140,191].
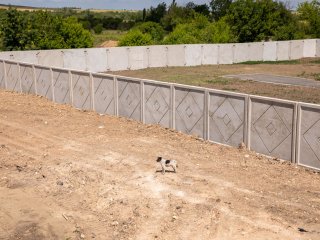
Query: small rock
[246,156]
[115,223]
[60,183]
[302,230]
[82,236]
[2,146]
[45,122]
[174,217]
[178,207]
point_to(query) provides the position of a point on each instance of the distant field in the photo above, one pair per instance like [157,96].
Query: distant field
[28,8]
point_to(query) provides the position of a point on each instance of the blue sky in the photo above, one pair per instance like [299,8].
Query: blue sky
[106,4]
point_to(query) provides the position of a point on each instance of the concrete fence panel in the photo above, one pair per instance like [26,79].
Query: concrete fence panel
[318,48]
[157,103]
[75,59]
[227,118]
[118,58]
[255,52]
[296,49]
[158,56]
[27,79]
[193,55]
[241,52]
[226,53]
[309,47]
[283,50]
[81,90]
[189,111]
[210,54]
[138,58]
[176,55]
[2,75]
[308,150]
[96,60]
[129,98]
[61,86]
[272,127]
[44,82]
[52,58]
[104,94]
[269,51]
[12,76]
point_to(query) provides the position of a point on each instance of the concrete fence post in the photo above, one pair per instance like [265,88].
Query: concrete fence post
[167,56]
[218,57]
[148,57]
[298,130]
[5,75]
[206,114]
[35,79]
[128,59]
[71,87]
[249,118]
[142,102]
[294,133]
[52,86]
[19,77]
[246,121]
[93,107]
[172,106]
[108,59]
[290,49]
[116,96]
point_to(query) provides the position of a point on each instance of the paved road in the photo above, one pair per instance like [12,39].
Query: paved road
[296,81]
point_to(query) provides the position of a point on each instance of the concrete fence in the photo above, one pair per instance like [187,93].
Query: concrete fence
[279,128]
[124,58]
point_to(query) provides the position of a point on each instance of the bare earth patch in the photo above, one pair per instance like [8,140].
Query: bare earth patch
[70,174]
[212,77]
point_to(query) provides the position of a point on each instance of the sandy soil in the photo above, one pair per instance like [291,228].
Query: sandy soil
[109,43]
[70,174]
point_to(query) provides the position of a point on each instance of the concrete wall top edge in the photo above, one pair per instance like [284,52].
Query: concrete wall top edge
[102,75]
[270,99]
[80,72]
[308,105]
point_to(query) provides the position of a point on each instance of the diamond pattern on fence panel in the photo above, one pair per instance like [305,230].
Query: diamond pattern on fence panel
[189,115]
[129,99]
[27,79]
[81,90]
[12,70]
[2,76]
[310,137]
[43,78]
[104,94]
[61,86]
[271,128]
[226,119]
[157,104]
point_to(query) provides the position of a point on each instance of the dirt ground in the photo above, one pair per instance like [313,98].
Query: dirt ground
[71,174]
[212,77]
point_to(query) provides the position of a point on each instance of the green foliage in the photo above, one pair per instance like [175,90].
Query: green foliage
[42,30]
[136,38]
[309,12]
[98,28]
[155,30]
[201,31]
[219,8]
[258,20]
[156,14]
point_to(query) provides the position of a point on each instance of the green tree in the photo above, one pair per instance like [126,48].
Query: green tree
[309,13]
[219,8]
[155,30]
[136,38]
[256,20]
[156,14]
[13,28]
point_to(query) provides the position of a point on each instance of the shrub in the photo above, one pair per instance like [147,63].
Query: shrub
[136,38]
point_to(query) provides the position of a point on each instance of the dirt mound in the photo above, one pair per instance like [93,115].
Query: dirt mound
[109,43]
[70,174]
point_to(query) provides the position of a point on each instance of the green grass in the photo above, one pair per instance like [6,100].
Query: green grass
[106,35]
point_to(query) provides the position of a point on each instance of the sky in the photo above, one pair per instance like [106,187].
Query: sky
[108,4]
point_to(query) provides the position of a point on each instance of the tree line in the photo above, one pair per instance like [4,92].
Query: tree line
[219,21]
[223,21]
